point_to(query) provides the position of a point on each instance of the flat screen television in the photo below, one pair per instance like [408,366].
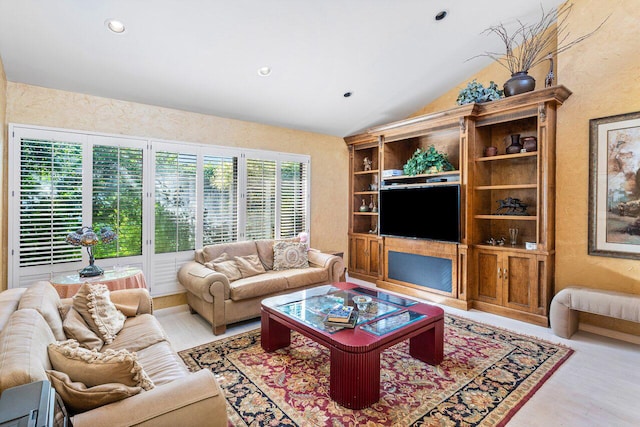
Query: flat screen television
[421,212]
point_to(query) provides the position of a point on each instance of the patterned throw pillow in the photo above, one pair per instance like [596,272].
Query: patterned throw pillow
[95,307]
[288,255]
[93,368]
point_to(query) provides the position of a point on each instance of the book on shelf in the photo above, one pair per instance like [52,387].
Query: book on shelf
[350,323]
[339,314]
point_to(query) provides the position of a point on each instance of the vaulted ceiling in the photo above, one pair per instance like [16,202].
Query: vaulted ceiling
[393,56]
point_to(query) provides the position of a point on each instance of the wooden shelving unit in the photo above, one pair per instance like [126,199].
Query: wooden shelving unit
[507,280]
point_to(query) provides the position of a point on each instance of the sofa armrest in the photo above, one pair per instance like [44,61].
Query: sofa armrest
[194,400]
[204,282]
[333,263]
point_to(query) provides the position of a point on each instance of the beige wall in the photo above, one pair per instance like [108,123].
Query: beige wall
[329,156]
[3,150]
[602,72]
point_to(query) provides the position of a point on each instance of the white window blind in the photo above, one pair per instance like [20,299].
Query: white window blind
[260,195]
[117,198]
[220,199]
[293,198]
[50,200]
[175,202]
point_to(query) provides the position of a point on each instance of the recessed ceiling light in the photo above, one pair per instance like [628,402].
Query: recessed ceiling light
[114,25]
[264,71]
[441,15]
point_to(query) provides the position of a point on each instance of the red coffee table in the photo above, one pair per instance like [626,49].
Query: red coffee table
[355,353]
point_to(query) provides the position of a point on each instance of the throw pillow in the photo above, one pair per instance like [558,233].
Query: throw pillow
[93,368]
[229,269]
[76,328]
[288,255]
[77,397]
[223,257]
[249,265]
[95,307]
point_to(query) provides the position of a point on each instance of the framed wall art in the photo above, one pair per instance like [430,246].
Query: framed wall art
[614,186]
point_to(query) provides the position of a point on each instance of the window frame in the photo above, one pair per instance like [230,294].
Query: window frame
[160,282]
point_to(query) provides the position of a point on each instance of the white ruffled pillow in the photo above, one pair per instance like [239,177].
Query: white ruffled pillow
[101,315]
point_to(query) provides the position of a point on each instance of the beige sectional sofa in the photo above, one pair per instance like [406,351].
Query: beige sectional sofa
[30,320]
[222,301]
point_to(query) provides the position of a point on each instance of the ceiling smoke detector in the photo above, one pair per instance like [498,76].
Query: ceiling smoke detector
[114,25]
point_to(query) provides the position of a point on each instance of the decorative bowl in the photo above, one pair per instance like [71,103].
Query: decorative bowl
[362,301]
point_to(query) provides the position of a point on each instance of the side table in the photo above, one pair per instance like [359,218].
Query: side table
[126,278]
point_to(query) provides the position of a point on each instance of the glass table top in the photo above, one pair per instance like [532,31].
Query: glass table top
[312,310]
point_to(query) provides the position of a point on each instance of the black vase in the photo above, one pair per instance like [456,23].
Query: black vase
[519,82]
[515,146]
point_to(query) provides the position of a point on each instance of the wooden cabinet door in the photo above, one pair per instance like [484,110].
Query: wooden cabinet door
[489,276]
[374,257]
[358,258]
[520,281]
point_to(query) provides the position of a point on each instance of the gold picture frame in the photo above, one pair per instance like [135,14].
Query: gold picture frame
[614,186]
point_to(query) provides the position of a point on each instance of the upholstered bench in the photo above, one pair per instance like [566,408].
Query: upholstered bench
[569,301]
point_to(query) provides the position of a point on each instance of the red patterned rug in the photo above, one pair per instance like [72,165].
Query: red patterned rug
[486,376]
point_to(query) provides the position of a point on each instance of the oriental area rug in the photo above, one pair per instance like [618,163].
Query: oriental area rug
[486,376]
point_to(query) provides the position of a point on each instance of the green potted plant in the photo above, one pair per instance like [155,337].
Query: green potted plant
[427,161]
[476,92]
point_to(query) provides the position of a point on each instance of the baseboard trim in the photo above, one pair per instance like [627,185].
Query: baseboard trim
[622,336]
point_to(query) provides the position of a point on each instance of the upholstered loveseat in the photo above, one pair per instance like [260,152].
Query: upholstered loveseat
[223,297]
[33,334]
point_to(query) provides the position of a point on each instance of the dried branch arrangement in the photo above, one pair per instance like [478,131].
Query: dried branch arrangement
[530,44]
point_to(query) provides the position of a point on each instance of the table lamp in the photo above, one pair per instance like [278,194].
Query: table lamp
[88,238]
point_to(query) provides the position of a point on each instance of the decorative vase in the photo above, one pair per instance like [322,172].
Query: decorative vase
[515,146]
[530,143]
[364,207]
[519,82]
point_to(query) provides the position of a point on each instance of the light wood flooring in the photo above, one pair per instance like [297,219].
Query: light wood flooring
[598,386]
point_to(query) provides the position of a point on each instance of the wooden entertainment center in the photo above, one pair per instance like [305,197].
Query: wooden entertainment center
[510,280]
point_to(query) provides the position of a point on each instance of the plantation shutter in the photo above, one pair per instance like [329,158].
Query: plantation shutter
[220,199]
[118,198]
[50,201]
[293,198]
[175,202]
[260,199]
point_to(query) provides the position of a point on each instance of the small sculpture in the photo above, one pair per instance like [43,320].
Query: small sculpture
[548,81]
[511,206]
[367,164]
[496,242]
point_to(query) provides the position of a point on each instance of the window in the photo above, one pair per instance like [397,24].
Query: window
[175,202]
[220,200]
[50,200]
[117,198]
[261,199]
[163,199]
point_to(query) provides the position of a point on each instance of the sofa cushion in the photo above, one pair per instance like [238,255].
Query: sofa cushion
[305,276]
[95,307]
[212,252]
[249,265]
[43,297]
[288,255]
[229,269]
[162,363]
[76,328]
[9,302]
[138,333]
[265,250]
[92,367]
[256,286]
[77,397]
[23,346]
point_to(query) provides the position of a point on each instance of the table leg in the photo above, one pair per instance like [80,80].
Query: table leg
[273,335]
[355,378]
[429,345]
